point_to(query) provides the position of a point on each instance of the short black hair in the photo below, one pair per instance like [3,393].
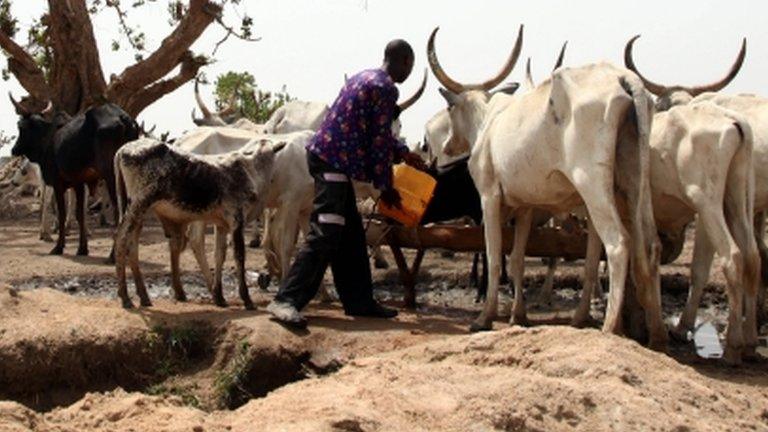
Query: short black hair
[398,50]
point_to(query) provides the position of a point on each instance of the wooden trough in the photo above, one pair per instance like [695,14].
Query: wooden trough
[542,242]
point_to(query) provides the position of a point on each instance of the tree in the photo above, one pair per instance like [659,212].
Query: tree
[250,101]
[60,61]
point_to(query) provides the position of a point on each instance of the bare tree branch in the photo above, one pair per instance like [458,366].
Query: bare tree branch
[24,68]
[170,53]
[231,32]
[190,66]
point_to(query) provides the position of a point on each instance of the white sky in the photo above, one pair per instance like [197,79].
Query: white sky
[308,45]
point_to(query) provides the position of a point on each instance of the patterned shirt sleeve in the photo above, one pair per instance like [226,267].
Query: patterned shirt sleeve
[385,148]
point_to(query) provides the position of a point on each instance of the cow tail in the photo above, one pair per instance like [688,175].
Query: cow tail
[122,197]
[634,178]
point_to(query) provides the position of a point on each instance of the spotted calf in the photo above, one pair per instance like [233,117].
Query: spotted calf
[181,187]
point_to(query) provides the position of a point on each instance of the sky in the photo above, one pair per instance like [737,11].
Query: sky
[308,45]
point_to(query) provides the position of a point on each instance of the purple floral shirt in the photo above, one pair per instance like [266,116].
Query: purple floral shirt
[356,135]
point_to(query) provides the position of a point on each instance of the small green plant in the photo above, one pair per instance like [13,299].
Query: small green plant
[229,383]
[176,347]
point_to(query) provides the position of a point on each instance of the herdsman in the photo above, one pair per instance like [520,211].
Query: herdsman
[355,142]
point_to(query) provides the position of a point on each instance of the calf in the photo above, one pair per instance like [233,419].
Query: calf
[74,152]
[181,188]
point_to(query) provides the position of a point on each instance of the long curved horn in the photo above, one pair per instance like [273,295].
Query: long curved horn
[719,85]
[629,62]
[204,109]
[412,100]
[20,109]
[457,87]
[197,120]
[560,57]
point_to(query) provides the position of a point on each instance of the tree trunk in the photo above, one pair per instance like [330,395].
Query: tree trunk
[76,74]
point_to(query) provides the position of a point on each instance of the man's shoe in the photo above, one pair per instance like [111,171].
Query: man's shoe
[287,314]
[375,311]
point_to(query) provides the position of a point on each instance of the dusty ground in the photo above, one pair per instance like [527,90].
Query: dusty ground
[71,359]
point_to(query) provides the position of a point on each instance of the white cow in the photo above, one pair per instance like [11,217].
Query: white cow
[580,138]
[701,165]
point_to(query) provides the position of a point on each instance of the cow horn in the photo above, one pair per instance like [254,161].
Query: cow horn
[560,57]
[204,109]
[197,120]
[528,75]
[48,109]
[20,109]
[412,100]
[486,85]
[629,62]
[719,85]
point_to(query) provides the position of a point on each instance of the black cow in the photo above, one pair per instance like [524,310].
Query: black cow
[456,196]
[74,152]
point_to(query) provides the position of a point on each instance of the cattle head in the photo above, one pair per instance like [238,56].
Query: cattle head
[35,131]
[467,103]
[220,118]
[669,96]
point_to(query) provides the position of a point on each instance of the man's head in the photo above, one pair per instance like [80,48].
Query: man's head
[398,60]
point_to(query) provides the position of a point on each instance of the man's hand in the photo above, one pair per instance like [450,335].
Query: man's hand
[414,160]
[392,198]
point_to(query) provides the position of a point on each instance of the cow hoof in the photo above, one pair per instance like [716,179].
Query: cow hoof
[58,250]
[180,296]
[732,356]
[263,281]
[82,251]
[380,264]
[480,326]
[220,302]
[127,303]
[46,238]
[519,320]
[680,335]
[249,305]
[254,244]
[146,303]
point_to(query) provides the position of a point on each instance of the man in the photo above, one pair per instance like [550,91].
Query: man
[355,142]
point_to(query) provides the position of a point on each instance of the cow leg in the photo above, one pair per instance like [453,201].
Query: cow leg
[504,278]
[175,232]
[221,255]
[125,232]
[196,242]
[599,199]
[238,242]
[523,221]
[45,214]
[61,207]
[133,259]
[109,179]
[256,239]
[82,248]
[492,215]
[547,289]
[473,274]
[762,307]
[591,269]
[71,210]
[703,253]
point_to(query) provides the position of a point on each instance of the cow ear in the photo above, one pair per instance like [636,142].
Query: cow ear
[449,96]
[276,147]
[509,88]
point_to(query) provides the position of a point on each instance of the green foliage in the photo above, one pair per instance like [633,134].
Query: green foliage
[230,382]
[186,394]
[8,24]
[5,139]
[250,101]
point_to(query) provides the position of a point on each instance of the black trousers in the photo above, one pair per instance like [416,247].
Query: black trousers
[337,238]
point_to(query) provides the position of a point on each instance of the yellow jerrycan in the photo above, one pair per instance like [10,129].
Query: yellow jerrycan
[416,189]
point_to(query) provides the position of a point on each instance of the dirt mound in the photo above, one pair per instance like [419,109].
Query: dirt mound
[542,379]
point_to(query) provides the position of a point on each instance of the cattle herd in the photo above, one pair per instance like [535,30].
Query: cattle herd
[639,160]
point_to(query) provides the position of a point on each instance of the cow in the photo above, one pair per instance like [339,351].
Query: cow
[74,152]
[578,138]
[702,166]
[181,188]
